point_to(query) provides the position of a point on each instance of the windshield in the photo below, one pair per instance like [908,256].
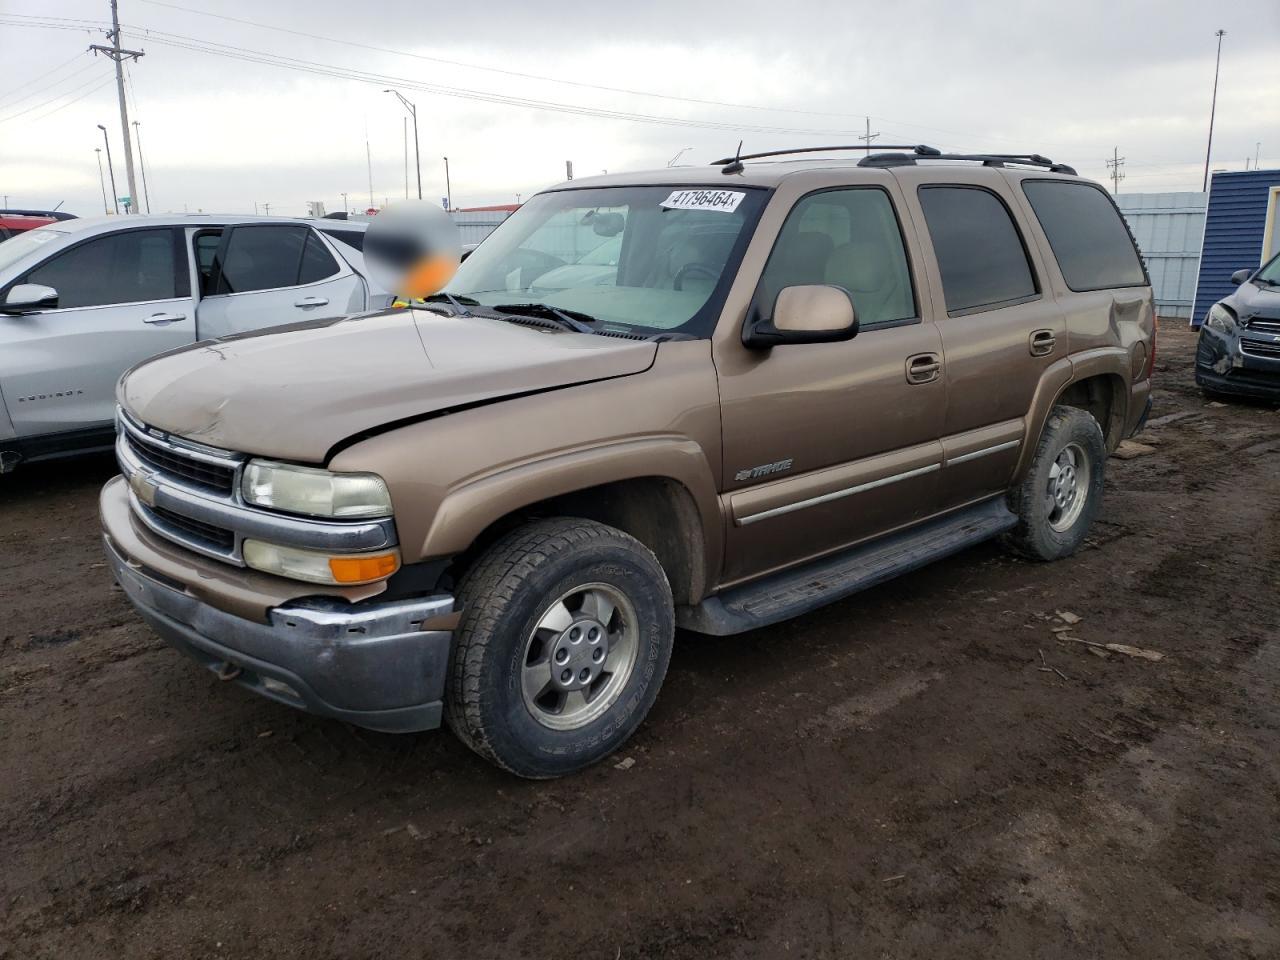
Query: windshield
[1269,275]
[15,248]
[642,259]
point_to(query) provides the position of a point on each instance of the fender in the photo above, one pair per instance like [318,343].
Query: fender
[1056,379]
[470,508]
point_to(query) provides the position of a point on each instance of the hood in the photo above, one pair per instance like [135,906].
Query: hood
[295,392]
[1252,300]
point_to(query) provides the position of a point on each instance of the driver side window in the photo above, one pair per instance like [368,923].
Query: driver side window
[134,266]
[850,239]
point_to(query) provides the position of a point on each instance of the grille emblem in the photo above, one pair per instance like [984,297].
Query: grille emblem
[144,487]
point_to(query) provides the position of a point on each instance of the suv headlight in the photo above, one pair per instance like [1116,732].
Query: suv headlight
[1220,319]
[314,492]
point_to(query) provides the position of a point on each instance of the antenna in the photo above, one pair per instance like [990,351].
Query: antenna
[736,166]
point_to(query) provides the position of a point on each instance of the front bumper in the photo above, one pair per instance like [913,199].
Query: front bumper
[371,664]
[1229,364]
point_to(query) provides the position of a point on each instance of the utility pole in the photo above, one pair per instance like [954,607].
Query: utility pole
[119,55]
[1116,163]
[1213,107]
[869,136]
[115,200]
[101,180]
[417,156]
[406,156]
[1257,152]
[146,194]
[266,209]
[448,187]
[344,203]
[368,158]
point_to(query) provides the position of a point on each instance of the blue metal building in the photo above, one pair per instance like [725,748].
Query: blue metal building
[1240,230]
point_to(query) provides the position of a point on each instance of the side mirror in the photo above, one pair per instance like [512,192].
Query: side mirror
[1240,276]
[23,297]
[812,313]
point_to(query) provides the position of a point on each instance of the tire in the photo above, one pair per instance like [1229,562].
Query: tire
[521,605]
[1047,529]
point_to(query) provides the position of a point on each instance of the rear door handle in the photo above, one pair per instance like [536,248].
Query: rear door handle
[163,318]
[923,367]
[311,302]
[1042,342]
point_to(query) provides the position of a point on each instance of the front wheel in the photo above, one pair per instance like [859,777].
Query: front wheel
[564,640]
[1062,491]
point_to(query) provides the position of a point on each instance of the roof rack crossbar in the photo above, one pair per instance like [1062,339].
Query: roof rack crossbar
[987,159]
[916,151]
[919,148]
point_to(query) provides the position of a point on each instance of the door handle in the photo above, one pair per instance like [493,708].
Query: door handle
[164,318]
[311,302]
[1042,342]
[923,367]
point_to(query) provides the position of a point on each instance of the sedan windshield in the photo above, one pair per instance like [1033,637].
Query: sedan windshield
[637,259]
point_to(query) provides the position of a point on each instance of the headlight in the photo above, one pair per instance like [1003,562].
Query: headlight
[1220,319]
[317,493]
[315,567]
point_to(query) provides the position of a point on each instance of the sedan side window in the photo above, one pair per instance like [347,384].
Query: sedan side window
[850,239]
[261,258]
[130,267]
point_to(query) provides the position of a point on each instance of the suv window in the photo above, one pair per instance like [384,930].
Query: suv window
[980,253]
[129,267]
[269,257]
[1090,241]
[849,238]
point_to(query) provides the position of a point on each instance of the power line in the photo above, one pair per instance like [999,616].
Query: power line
[62,106]
[37,79]
[54,99]
[90,65]
[231,51]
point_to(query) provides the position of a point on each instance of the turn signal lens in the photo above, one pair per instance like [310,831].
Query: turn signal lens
[315,567]
[363,569]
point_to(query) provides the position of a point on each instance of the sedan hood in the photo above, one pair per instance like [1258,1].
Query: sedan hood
[295,392]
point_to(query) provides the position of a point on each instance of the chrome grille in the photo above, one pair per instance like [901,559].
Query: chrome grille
[189,494]
[1260,348]
[1262,325]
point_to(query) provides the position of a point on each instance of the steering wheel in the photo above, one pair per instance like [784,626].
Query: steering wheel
[690,269]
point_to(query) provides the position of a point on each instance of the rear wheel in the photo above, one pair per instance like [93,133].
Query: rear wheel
[1062,491]
[565,637]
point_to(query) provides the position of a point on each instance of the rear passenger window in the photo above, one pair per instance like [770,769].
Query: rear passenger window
[317,261]
[850,239]
[1089,240]
[980,253]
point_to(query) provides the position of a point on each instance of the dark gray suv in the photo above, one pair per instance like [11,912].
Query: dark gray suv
[1239,349]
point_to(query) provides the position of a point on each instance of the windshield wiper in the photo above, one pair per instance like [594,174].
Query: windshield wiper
[459,304]
[574,320]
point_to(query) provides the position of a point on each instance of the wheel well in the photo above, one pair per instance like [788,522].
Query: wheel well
[1104,397]
[657,511]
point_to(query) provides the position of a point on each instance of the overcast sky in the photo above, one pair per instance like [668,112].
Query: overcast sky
[1068,80]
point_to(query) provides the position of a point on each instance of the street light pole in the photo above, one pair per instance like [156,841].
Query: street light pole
[115,201]
[146,194]
[683,151]
[417,156]
[448,188]
[1213,107]
[102,180]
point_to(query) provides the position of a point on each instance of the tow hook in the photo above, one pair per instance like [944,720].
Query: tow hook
[228,671]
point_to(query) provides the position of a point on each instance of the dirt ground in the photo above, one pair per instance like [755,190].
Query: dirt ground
[926,770]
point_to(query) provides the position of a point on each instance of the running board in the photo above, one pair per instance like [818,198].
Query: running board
[791,593]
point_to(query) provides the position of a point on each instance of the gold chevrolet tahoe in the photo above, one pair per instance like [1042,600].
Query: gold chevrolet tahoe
[712,399]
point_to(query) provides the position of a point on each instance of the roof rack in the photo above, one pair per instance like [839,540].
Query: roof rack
[917,151]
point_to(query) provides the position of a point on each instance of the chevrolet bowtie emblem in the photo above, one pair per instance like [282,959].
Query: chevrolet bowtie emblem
[144,487]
